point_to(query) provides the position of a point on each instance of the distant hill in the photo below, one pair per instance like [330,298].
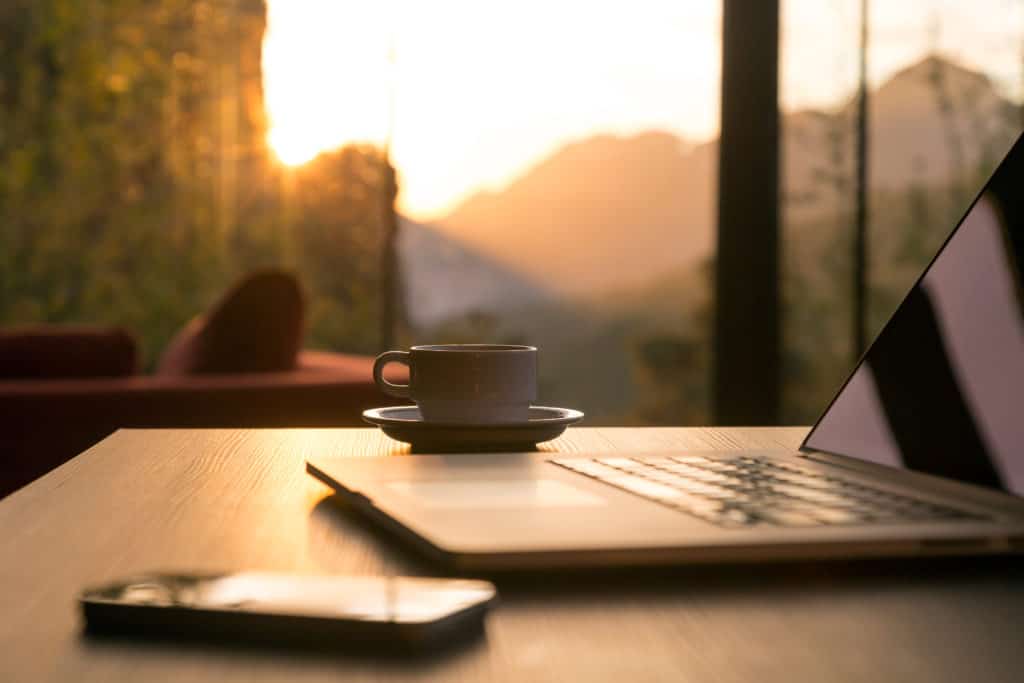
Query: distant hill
[608,213]
[597,214]
[926,121]
[444,279]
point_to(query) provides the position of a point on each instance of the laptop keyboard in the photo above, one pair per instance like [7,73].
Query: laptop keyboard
[745,491]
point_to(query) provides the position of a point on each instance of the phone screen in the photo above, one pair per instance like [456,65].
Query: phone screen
[373,599]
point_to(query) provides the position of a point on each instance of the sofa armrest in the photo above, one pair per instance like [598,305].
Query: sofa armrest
[298,398]
[44,423]
[349,365]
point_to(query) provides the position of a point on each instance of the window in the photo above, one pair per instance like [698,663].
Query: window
[943,107]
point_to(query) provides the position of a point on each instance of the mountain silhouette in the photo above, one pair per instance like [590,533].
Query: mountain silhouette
[597,214]
[928,123]
[608,213]
[444,279]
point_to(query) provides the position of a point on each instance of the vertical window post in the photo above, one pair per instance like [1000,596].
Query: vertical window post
[860,234]
[746,379]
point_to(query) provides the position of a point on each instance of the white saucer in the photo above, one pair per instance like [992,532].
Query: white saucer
[404,423]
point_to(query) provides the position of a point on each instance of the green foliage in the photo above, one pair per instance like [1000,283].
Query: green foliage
[135,183]
[337,209]
[672,376]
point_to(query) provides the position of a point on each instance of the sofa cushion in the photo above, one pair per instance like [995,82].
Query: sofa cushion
[255,327]
[52,351]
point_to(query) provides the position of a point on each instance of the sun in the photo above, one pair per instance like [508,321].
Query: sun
[293,145]
[325,77]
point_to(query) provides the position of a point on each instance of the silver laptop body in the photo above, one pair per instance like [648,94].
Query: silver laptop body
[920,453]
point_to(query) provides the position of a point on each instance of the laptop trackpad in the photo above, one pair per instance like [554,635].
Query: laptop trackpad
[495,493]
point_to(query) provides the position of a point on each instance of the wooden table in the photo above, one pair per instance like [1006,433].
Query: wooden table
[216,499]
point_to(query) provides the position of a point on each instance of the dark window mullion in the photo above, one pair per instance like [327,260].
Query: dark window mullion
[746,374]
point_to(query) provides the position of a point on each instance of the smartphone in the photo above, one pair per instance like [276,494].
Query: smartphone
[319,611]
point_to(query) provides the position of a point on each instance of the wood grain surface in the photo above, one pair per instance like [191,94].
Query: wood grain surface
[240,499]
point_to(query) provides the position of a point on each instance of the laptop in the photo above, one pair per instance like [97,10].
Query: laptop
[921,452]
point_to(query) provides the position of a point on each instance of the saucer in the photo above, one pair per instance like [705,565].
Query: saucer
[404,423]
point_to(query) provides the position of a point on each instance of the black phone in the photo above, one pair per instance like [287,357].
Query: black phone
[319,611]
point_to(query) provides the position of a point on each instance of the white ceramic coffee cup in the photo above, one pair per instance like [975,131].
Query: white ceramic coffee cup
[465,383]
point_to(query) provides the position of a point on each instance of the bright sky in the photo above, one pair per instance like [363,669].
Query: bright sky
[482,90]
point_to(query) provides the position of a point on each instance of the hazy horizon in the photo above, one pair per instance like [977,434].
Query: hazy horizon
[474,109]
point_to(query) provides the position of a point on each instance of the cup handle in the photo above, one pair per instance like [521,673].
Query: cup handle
[401,390]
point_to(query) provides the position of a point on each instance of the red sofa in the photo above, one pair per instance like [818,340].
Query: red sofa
[239,365]
[44,423]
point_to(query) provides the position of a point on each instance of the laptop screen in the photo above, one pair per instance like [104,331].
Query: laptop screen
[941,389]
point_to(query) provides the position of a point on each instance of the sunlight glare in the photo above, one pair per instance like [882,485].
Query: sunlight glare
[482,91]
[293,147]
[325,76]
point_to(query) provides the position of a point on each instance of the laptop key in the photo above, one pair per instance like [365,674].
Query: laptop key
[659,462]
[738,517]
[787,517]
[645,487]
[593,469]
[621,463]
[814,495]
[802,480]
[835,516]
[690,459]
[700,488]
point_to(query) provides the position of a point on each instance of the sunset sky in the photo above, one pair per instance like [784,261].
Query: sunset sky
[482,90]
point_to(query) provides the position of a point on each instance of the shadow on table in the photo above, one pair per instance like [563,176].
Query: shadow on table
[341,540]
[333,519]
[372,655]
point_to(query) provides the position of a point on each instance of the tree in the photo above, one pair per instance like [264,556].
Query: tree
[135,181]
